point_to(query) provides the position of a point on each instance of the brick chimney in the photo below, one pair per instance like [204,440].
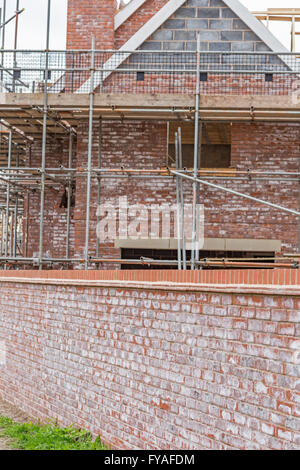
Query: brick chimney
[87,18]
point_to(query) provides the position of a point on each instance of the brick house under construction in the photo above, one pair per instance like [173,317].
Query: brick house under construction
[152,110]
[249,131]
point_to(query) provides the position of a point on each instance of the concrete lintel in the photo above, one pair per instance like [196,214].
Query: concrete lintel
[210,244]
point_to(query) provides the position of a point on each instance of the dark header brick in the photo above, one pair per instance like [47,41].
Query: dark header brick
[185,35]
[197,24]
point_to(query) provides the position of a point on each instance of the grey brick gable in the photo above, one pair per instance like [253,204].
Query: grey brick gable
[219,27]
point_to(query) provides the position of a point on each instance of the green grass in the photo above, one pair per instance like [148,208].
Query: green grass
[29,436]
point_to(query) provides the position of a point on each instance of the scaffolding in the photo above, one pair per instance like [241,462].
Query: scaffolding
[45,94]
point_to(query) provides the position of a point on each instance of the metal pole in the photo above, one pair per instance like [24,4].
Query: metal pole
[69,190]
[196,146]
[11,239]
[99,185]
[299,211]
[178,204]
[25,246]
[16,24]
[168,141]
[90,151]
[237,193]
[44,141]
[3,37]
[181,199]
[16,217]
[197,251]
[8,196]
[15,45]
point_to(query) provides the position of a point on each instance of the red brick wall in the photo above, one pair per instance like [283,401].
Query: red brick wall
[131,145]
[155,367]
[257,146]
[266,147]
[87,18]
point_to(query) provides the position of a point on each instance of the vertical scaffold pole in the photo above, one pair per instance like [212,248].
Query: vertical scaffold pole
[16,44]
[178,204]
[25,249]
[2,233]
[196,149]
[69,190]
[44,141]
[90,153]
[197,253]
[3,38]
[168,142]
[8,196]
[99,186]
[181,199]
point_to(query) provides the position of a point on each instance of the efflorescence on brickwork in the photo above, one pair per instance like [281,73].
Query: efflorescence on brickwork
[144,145]
[141,145]
[55,219]
[155,368]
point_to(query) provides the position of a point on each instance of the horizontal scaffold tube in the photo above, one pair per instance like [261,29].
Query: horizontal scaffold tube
[237,193]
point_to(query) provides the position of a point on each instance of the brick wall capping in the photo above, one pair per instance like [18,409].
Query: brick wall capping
[267,289]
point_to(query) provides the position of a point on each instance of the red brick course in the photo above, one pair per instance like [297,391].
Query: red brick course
[257,278]
[155,368]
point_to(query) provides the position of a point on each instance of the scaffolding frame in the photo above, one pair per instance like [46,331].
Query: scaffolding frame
[19,181]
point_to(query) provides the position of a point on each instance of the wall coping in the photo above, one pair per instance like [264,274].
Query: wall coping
[267,289]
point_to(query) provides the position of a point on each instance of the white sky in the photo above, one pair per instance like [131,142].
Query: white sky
[32,30]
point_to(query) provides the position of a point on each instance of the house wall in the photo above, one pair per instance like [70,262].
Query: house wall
[139,145]
[87,18]
[164,366]
[55,217]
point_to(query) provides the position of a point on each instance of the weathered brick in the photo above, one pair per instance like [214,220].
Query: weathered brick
[156,353]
